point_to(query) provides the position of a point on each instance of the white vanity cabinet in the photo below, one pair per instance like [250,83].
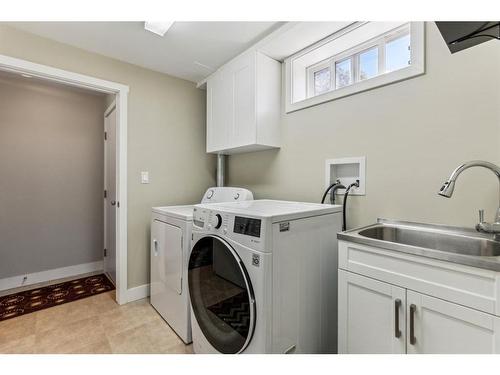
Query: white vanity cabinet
[449,328]
[371,316]
[243,105]
[398,303]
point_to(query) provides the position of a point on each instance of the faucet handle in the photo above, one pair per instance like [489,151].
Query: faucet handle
[481,216]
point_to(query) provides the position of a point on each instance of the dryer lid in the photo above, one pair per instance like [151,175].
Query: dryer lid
[177,212]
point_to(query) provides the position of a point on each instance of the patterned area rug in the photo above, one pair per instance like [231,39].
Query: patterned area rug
[33,300]
[234,311]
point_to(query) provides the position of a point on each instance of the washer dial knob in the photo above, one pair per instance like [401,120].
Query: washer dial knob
[217,221]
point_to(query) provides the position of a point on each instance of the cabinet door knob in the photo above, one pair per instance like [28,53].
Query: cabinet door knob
[397,331]
[413,339]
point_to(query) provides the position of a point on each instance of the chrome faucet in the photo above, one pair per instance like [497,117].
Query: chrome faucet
[449,185]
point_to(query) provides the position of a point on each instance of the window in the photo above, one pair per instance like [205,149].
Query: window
[322,81]
[368,64]
[343,73]
[397,53]
[362,56]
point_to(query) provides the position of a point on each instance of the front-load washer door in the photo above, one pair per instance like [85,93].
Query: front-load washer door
[221,295]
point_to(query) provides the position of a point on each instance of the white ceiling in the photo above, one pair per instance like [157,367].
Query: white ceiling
[189,50]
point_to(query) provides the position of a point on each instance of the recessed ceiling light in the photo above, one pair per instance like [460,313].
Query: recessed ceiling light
[159,28]
[26,75]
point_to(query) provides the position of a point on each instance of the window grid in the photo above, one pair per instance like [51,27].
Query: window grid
[354,54]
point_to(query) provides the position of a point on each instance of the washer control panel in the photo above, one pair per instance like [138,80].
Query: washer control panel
[216,221]
[249,231]
[246,225]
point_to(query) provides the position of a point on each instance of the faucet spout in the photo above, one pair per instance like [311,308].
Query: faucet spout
[449,186]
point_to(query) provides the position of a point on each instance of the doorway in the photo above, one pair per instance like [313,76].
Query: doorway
[118,238]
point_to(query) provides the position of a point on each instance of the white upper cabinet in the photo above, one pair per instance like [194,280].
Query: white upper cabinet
[243,105]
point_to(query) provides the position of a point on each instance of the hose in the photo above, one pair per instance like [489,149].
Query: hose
[344,203]
[328,189]
[334,189]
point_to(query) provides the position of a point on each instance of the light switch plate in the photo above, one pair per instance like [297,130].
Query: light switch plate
[145,177]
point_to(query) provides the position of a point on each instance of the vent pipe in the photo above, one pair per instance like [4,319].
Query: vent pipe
[221,170]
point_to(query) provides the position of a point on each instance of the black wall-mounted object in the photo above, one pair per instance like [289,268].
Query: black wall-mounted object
[462,35]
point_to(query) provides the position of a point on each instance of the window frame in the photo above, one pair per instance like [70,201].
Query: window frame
[311,70]
[380,64]
[416,31]
[353,70]
[391,38]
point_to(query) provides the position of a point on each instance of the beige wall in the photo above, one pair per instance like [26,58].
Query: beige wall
[51,168]
[413,134]
[166,130]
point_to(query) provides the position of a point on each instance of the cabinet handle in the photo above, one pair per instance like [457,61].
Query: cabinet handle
[397,305]
[413,339]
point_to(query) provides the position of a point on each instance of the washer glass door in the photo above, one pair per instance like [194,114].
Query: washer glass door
[221,295]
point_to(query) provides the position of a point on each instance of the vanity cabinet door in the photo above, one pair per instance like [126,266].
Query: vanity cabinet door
[435,326]
[371,315]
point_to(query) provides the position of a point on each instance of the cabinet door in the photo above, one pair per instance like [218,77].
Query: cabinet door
[243,125]
[436,326]
[219,111]
[371,315]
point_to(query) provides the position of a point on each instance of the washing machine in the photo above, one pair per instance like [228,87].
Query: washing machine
[170,245]
[262,277]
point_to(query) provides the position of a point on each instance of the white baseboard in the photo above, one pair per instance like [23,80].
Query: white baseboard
[139,292]
[54,274]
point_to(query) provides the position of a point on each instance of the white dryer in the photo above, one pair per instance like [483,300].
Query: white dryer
[170,246]
[263,277]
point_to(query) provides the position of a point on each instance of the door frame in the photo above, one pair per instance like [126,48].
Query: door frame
[107,112]
[120,91]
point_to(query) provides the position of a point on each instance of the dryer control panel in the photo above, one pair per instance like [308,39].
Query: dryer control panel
[226,194]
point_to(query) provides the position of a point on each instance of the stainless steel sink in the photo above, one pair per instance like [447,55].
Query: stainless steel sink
[453,244]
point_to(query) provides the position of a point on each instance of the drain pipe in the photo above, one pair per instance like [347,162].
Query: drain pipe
[221,170]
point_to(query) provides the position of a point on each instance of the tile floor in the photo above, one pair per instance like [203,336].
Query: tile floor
[95,324]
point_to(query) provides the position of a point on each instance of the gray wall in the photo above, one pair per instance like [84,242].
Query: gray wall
[413,134]
[51,168]
[166,134]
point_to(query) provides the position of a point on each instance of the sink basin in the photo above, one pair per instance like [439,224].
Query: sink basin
[450,244]
[460,243]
